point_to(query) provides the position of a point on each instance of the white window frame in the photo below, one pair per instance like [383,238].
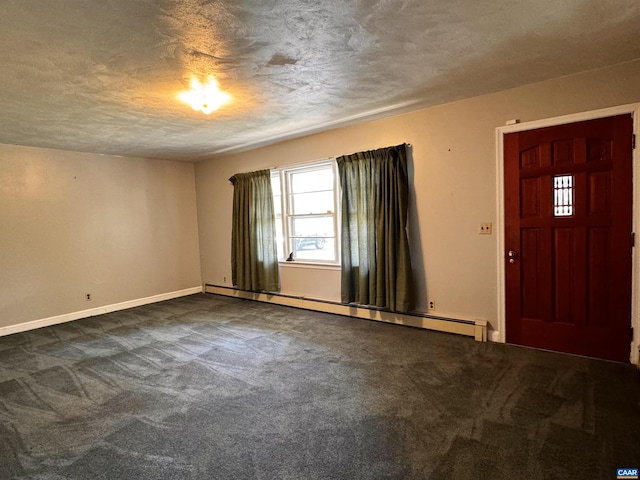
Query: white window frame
[284,175]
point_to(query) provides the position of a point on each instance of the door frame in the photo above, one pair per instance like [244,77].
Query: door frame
[499,335]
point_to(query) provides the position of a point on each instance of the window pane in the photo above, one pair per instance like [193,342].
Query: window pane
[312,180]
[307,203]
[314,248]
[312,227]
[563,195]
[280,238]
[277,194]
[277,205]
[275,183]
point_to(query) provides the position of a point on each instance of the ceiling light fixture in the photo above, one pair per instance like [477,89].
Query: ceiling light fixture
[205,97]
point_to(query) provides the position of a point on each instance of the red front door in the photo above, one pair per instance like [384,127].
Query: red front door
[568,238]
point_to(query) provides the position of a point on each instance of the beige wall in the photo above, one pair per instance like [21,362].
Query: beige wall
[125,228]
[454,185]
[72,223]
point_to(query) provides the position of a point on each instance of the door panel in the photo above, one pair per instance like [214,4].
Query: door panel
[568,201]
[563,274]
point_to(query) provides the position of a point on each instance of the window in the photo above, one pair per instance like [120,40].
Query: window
[305,202]
[563,196]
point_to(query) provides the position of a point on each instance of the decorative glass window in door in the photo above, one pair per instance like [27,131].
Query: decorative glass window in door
[563,195]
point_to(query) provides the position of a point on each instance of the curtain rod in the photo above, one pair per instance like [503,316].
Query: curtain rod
[307,162]
[290,165]
[301,164]
[310,162]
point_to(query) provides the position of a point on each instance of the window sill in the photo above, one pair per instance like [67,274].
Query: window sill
[309,265]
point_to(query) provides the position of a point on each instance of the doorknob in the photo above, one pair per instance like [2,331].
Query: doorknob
[512,255]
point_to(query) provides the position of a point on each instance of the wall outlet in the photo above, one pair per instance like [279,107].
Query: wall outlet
[87,297]
[432,305]
[485,228]
[224,280]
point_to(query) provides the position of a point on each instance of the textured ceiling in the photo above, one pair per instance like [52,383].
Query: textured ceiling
[102,76]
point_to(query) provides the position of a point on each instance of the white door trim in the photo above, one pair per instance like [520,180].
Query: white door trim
[634,109]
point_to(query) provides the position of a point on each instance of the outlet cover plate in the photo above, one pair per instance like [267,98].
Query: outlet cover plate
[485,228]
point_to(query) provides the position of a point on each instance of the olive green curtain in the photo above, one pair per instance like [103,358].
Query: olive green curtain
[254,257]
[376,267]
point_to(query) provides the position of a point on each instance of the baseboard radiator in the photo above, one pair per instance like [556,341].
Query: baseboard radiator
[471,328]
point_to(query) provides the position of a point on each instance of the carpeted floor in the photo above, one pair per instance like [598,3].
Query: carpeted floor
[209,387]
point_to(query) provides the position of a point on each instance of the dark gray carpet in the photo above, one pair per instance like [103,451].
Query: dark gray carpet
[208,387]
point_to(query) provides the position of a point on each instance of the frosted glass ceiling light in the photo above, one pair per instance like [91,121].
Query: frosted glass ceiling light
[206,97]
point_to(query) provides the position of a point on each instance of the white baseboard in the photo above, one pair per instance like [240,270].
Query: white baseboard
[472,328]
[69,317]
[494,336]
